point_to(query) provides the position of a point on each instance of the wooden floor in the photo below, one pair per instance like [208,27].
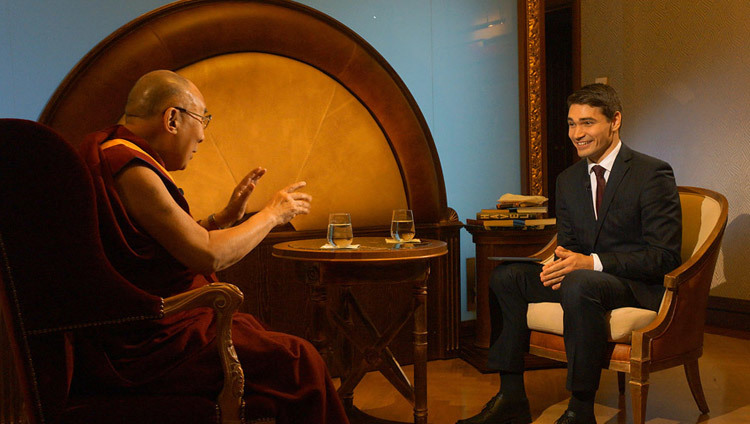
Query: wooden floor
[456,390]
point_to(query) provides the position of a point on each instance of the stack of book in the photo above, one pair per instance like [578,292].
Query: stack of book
[515,212]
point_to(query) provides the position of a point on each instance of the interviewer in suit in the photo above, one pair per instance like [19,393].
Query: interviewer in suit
[609,259]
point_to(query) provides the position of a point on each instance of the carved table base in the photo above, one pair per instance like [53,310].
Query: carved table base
[343,332]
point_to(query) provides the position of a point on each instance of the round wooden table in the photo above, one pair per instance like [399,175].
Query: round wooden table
[375,261]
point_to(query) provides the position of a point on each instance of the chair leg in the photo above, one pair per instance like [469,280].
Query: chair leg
[621,382]
[639,395]
[694,381]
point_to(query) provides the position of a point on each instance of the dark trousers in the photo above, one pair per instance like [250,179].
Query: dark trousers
[585,296]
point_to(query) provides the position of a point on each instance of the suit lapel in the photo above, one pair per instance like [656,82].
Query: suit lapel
[584,204]
[619,170]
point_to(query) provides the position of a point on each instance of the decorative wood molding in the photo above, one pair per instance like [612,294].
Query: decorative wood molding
[225,299]
[532,100]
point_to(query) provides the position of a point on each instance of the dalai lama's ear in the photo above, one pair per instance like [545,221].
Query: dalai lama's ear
[169,120]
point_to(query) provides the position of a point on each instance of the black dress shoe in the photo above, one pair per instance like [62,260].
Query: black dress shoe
[570,417]
[500,410]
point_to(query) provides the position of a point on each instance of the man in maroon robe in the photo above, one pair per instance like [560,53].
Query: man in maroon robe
[151,239]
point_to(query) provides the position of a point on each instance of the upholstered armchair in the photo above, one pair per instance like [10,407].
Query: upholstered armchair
[643,341]
[56,279]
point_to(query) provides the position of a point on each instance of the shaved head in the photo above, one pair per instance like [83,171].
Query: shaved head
[156,91]
[168,111]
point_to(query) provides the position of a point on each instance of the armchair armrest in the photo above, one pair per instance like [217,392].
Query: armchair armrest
[547,252]
[225,299]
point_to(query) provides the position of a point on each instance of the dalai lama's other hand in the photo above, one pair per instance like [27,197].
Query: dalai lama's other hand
[288,203]
[235,209]
[567,261]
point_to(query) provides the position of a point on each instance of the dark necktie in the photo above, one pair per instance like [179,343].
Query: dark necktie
[601,183]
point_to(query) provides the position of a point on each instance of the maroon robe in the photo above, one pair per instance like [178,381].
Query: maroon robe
[176,355]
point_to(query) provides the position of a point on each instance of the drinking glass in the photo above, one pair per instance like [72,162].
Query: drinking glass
[340,230]
[402,225]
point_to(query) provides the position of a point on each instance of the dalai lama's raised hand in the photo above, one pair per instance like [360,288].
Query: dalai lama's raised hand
[235,209]
[567,261]
[288,203]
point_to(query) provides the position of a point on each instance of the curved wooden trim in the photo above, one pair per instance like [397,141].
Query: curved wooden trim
[373,249]
[225,299]
[548,250]
[93,94]
[713,240]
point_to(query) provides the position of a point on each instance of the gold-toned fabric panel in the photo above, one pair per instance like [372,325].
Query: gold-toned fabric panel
[699,215]
[289,117]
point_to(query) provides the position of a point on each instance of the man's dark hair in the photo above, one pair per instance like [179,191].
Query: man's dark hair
[597,95]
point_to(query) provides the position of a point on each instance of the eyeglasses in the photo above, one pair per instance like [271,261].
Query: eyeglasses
[204,120]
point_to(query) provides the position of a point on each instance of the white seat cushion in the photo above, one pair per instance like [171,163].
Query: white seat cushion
[548,317]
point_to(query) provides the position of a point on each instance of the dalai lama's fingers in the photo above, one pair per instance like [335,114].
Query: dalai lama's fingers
[288,202]
[236,207]
[248,183]
[295,186]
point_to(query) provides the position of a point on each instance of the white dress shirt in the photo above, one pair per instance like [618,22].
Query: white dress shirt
[605,163]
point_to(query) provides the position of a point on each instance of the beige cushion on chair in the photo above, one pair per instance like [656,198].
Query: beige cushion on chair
[548,317]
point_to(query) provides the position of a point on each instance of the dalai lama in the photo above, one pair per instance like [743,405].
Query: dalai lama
[151,239]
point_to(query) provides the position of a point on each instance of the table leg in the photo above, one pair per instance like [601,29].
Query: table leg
[347,354]
[420,351]
[371,343]
[319,298]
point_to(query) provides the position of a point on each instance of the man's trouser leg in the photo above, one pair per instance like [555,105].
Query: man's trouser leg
[586,297]
[512,287]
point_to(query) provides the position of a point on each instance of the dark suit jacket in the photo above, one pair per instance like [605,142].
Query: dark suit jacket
[639,231]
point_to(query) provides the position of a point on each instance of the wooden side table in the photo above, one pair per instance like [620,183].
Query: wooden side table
[375,262]
[502,242]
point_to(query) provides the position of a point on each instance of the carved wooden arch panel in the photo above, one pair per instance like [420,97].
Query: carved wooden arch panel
[180,34]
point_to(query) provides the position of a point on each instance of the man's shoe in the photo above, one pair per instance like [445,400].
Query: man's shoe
[570,417]
[500,410]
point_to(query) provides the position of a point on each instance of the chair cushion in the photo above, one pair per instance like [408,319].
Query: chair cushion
[548,317]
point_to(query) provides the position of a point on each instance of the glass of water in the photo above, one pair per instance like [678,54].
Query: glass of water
[340,230]
[402,225]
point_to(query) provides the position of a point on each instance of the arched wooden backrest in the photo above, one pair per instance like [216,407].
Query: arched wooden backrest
[196,36]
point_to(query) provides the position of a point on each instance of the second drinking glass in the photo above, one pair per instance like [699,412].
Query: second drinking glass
[402,225]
